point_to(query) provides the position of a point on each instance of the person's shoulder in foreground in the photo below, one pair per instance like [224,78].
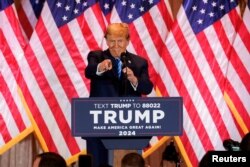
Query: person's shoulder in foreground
[49,159]
[245,142]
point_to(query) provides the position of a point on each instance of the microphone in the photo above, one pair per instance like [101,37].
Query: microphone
[125,76]
[231,145]
[124,59]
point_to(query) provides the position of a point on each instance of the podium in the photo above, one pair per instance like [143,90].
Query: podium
[126,122]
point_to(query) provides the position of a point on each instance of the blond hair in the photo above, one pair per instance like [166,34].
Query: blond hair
[118,29]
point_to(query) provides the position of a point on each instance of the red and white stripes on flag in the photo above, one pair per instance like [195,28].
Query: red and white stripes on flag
[237,92]
[28,11]
[27,17]
[14,122]
[196,65]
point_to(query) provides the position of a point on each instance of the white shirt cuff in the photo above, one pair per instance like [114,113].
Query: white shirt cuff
[99,73]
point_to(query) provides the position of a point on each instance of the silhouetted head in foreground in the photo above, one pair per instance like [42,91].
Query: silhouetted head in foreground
[133,160]
[49,159]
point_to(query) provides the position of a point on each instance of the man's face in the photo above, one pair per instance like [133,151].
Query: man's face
[117,45]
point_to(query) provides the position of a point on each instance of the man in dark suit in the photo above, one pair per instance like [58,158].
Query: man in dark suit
[115,72]
[134,79]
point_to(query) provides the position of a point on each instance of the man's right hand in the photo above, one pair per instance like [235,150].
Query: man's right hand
[105,65]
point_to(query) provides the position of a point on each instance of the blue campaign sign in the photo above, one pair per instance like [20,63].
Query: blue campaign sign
[127,116]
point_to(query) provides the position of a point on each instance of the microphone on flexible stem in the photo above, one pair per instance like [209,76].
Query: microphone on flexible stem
[124,65]
[124,59]
[231,145]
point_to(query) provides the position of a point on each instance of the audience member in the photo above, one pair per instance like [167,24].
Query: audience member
[85,160]
[245,143]
[49,159]
[133,160]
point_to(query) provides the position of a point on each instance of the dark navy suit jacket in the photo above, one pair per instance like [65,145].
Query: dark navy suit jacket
[109,85]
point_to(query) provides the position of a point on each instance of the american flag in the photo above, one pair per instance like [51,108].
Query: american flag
[238,74]
[196,57]
[28,12]
[57,56]
[14,122]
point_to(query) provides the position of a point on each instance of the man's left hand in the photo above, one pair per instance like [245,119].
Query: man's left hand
[130,75]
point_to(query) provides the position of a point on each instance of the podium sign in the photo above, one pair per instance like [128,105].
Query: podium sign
[127,116]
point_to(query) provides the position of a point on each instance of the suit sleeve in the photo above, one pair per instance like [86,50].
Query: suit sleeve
[94,58]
